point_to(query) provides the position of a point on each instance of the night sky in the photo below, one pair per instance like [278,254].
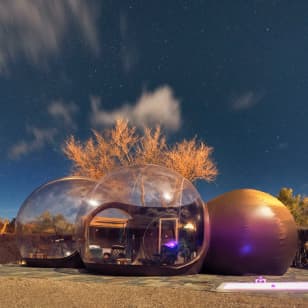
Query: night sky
[234,73]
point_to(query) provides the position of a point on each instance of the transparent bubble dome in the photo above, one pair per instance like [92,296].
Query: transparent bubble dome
[45,224]
[146,186]
[142,215]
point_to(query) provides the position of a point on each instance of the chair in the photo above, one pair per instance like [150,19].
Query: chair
[117,251]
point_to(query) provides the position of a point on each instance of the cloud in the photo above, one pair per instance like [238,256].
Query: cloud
[40,137]
[158,107]
[36,29]
[59,111]
[63,112]
[247,100]
[129,53]
[283,145]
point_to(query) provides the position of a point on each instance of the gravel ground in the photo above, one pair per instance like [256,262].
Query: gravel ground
[32,292]
[37,292]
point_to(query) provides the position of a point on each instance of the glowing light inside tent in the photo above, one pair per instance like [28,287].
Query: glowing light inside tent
[167,196]
[67,253]
[171,244]
[264,286]
[189,226]
[93,202]
[246,249]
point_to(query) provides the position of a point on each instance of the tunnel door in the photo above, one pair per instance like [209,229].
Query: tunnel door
[168,231]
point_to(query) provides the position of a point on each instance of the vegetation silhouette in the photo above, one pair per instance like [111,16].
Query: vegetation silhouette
[297,204]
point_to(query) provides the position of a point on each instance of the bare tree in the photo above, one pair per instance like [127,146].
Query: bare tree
[192,159]
[98,155]
[123,146]
[151,147]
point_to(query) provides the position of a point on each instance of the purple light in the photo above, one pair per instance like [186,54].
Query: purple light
[266,286]
[171,244]
[246,249]
[260,279]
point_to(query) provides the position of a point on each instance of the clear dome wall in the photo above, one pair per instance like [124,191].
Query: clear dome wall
[147,186]
[146,210]
[45,224]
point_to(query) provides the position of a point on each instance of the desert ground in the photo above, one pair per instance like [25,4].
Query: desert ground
[34,291]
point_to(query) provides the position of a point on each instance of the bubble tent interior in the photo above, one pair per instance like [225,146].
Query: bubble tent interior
[141,220]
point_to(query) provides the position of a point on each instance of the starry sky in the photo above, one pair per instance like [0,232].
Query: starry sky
[234,73]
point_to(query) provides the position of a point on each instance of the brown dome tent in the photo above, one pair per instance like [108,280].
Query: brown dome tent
[251,232]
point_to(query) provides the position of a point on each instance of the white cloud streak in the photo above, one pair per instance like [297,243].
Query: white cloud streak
[63,112]
[40,137]
[129,53]
[158,107]
[247,100]
[35,29]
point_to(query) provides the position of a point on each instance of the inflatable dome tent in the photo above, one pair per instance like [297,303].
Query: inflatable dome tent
[45,223]
[252,232]
[149,220]
[145,220]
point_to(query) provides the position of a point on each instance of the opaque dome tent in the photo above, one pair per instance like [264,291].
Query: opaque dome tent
[145,220]
[252,232]
[45,223]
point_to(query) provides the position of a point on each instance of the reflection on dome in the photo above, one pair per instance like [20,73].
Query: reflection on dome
[149,185]
[45,224]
